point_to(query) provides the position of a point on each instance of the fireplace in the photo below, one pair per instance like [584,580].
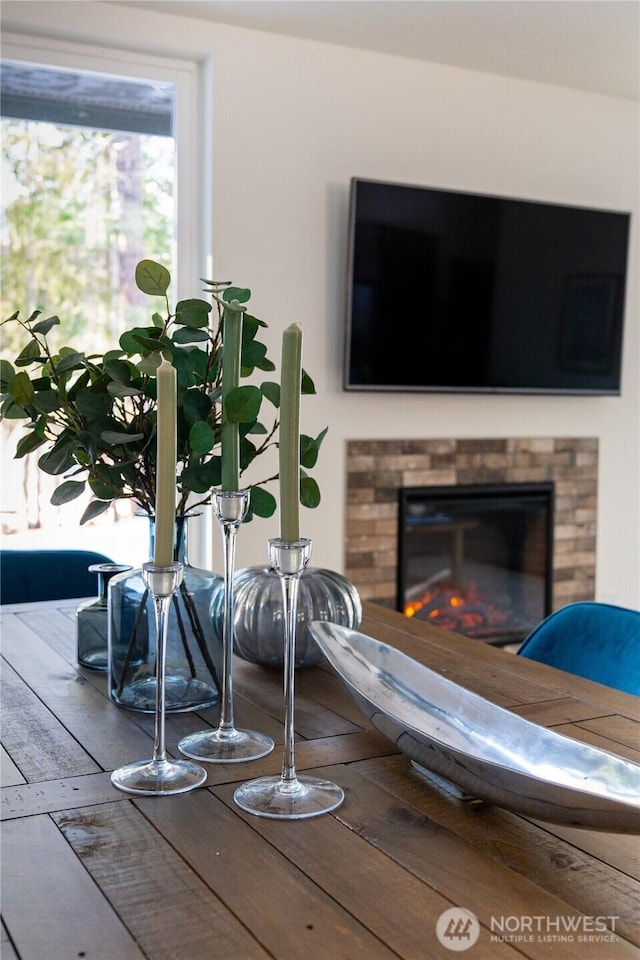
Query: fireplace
[377,469]
[477,558]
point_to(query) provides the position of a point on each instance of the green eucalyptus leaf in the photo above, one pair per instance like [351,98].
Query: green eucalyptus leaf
[241,294]
[309,449]
[88,442]
[152,278]
[28,443]
[21,389]
[157,320]
[67,491]
[151,344]
[111,355]
[250,327]
[70,361]
[29,354]
[195,406]
[189,335]
[309,492]
[252,355]
[258,429]
[247,453]
[91,404]
[82,458]
[149,364]
[271,390]
[251,319]
[266,365]
[46,401]
[44,326]
[201,477]
[118,438]
[147,338]
[11,411]
[7,373]
[96,427]
[119,370]
[242,405]
[263,503]
[79,384]
[193,313]
[308,385]
[202,438]
[60,458]
[202,368]
[118,390]
[101,490]
[183,363]
[94,509]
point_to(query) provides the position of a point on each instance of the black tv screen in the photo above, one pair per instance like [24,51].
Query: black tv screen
[461,292]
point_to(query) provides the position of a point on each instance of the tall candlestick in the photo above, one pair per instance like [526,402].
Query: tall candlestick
[289,440]
[230,434]
[166,456]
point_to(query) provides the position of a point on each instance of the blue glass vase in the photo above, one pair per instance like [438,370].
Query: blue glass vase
[194,651]
[92,620]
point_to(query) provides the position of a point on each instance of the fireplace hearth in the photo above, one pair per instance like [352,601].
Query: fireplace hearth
[476,559]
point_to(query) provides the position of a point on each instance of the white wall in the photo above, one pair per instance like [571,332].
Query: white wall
[292,121]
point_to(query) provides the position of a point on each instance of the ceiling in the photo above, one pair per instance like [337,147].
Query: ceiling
[586,44]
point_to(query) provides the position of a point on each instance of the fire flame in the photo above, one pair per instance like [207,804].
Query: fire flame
[414,606]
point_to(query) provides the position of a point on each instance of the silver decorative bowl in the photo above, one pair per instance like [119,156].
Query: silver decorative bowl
[484,750]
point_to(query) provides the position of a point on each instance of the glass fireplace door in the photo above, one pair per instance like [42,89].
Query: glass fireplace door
[477,559]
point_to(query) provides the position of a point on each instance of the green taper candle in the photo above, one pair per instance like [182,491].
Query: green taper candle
[230,434]
[166,455]
[289,439]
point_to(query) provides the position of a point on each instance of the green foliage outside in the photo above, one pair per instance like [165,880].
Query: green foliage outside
[80,208]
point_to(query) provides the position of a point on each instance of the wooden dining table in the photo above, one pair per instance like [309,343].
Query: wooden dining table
[404,868]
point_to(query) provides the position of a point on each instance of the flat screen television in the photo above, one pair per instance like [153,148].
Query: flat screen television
[462,292]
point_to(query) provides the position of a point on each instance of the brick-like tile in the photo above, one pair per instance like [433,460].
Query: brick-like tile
[376,469]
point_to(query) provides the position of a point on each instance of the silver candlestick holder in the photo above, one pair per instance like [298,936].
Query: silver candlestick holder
[227,744]
[289,796]
[160,776]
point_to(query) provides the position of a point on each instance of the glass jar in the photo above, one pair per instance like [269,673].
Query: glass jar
[92,620]
[194,651]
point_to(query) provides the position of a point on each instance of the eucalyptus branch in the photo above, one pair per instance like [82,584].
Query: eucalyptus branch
[88,426]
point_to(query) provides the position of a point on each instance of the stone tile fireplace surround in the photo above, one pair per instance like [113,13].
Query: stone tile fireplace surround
[377,469]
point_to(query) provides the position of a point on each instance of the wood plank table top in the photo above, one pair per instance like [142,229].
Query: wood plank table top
[90,872]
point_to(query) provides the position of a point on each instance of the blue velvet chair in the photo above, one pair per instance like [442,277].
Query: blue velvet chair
[598,641]
[27,575]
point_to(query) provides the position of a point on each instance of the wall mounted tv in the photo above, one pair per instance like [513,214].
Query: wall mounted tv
[461,292]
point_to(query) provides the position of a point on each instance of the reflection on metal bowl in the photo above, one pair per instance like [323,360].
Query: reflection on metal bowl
[483,749]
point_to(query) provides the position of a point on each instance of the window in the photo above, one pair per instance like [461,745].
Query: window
[90,185]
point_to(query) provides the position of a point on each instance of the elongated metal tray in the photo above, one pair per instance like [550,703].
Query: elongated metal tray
[484,750]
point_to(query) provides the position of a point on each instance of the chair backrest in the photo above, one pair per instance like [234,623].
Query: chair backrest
[28,575]
[598,641]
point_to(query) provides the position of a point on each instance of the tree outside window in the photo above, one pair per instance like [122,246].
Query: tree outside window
[88,174]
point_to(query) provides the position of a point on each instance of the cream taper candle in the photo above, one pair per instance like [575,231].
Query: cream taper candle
[289,437]
[231,358]
[166,456]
